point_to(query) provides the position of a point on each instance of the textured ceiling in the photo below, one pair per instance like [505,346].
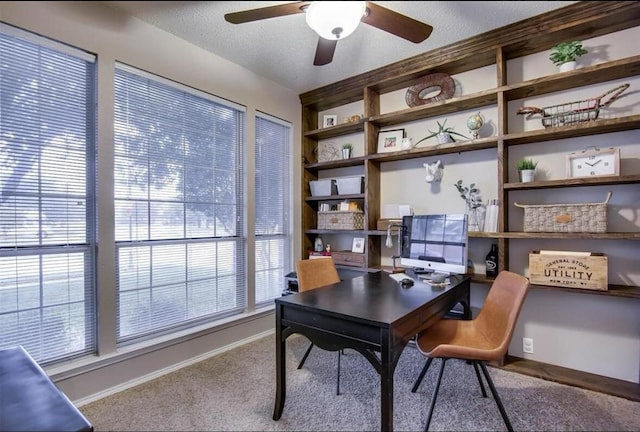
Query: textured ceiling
[282,49]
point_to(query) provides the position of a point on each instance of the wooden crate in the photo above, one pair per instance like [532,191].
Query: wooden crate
[569,271]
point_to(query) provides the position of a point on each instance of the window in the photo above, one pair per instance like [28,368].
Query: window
[179,215]
[273,238]
[47,200]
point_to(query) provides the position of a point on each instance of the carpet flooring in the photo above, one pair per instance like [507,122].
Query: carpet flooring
[235,391]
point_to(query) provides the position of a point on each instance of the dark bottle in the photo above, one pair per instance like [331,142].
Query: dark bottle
[492,261]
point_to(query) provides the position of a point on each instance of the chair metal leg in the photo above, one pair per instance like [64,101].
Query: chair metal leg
[494,392]
[304,357]
[475,366]
[338,384]
[422,374]
[435,395]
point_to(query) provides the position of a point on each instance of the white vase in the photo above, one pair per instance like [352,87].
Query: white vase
[444,138]
[527,176]
[346,153]
[568,66]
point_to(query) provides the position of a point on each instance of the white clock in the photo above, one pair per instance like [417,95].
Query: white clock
[594,162]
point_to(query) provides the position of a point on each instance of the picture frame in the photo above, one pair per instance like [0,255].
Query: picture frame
[390,140]
[358,245]
[329,120]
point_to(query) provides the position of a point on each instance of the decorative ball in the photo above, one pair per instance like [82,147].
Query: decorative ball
[475,122]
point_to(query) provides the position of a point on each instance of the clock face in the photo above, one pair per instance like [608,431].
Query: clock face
[594,163]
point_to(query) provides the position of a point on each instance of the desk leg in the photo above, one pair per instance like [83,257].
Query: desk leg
[281,379]
[466,303]
[386,383]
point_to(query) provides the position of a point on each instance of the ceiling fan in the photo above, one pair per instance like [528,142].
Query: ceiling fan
[335,20]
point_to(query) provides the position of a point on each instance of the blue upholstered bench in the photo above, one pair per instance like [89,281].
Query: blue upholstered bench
[30,401]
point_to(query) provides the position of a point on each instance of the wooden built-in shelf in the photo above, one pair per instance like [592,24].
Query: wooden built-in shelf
[570,80]
[448,106]
[613,290]
[496,49]
[338,163]
[586,181]
[337,130]
[594,127]
[334,197]
[558,235]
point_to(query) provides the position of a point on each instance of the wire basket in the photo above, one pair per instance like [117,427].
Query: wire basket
[574,112]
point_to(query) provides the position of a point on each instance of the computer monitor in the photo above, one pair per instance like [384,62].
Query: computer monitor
[435,243]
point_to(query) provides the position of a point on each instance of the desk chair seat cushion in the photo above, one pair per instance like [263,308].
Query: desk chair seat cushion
[486,337]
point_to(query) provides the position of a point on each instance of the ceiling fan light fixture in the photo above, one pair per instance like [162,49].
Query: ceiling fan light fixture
[334,20]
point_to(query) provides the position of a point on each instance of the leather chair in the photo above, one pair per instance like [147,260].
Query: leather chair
[483,339]
[312,274]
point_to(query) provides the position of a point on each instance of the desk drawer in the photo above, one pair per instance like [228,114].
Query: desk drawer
[351,259]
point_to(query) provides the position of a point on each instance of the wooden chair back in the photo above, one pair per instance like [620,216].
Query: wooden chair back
[498,316]
[314,273]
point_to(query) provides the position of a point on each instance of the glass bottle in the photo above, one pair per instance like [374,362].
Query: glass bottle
[318,245]
[491,262]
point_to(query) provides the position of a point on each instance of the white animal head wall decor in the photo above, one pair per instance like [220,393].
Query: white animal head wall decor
[434,171]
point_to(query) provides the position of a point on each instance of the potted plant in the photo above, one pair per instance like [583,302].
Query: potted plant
[443,133]
[346,150]
[566,54]
[527,168]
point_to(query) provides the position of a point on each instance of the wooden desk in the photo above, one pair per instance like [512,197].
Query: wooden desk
[30,401]
[370,314]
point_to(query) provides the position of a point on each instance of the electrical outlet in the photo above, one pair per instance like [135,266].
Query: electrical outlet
[527,345]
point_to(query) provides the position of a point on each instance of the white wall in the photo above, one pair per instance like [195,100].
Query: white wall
[112,36]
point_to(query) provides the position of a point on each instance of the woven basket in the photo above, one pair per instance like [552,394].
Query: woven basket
[573,218]
[345,220]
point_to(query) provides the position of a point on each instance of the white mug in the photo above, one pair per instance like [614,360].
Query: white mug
[407,143]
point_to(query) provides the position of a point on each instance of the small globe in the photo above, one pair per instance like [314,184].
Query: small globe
[475,122]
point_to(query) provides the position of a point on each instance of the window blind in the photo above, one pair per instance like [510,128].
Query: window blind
[272,203]
[47,199]
[179,213]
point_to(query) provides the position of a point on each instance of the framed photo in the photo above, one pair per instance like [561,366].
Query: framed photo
[390,141]
[358,245]
[328,151]
[330,120]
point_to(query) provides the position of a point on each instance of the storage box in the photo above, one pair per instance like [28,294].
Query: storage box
[350,185]
[323,187]
[569,270]
[588,218]
[341,220]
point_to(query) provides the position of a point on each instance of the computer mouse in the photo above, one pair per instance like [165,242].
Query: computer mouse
[406,283]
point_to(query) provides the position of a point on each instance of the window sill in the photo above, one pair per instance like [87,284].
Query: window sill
[87,364]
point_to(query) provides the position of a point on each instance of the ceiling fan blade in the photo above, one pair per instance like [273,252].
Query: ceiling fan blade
[324,51]
[396,23]
[266,12]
